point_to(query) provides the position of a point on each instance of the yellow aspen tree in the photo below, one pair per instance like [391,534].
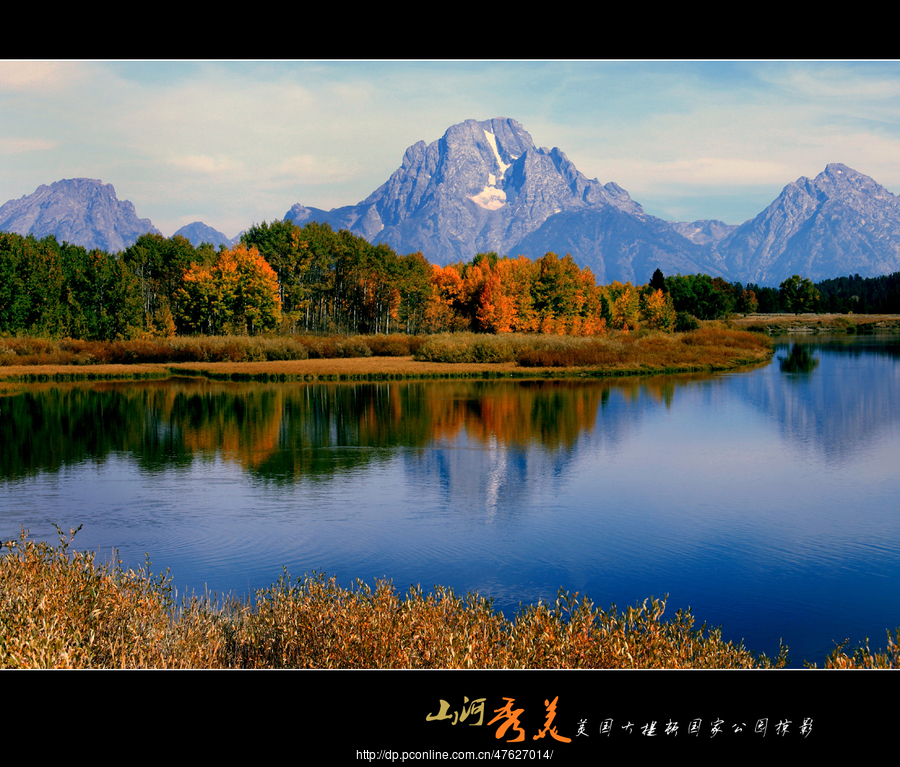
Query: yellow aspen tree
[625,306]
[659,311]
[237,294]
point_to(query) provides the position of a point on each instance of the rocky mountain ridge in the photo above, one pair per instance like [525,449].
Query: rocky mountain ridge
[82,211]
[485,186]
[197,233]
[841,222]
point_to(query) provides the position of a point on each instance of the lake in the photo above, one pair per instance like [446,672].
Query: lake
[766,500]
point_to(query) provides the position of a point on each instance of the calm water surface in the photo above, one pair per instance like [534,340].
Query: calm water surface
[764,500]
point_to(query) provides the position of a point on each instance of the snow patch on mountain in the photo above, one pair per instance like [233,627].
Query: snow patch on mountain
[492,197]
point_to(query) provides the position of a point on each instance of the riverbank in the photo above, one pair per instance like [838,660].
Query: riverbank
[818,323]
[706,350]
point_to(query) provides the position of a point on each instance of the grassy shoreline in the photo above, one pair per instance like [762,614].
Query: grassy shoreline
[464,355]
[818,323]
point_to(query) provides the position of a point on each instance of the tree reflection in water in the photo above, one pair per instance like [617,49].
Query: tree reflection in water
[800,360]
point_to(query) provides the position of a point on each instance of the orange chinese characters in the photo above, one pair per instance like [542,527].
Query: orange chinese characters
[512,720]
[551,715]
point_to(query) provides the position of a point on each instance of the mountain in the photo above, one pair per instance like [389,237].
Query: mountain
[842,222]
[703,232]
[485,186]
[81,211]
[198,233]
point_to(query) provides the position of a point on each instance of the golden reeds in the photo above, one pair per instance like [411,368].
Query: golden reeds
[62,610]
[514,355]
[636,352]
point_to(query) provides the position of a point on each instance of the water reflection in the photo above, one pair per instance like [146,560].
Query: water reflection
[280,432]
[800,360]
[842,397]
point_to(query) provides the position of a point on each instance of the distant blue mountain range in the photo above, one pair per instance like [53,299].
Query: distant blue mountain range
[484,186]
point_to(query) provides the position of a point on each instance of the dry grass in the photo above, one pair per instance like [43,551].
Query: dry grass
[63,610]
[863,657]
[443,356]
[41,351]
[653,351]
[346,367]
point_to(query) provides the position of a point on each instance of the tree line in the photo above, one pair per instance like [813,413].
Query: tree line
[710,298]
[861,295]
[288,279]
[283,278]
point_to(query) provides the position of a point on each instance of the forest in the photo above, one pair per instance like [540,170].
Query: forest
[283,279]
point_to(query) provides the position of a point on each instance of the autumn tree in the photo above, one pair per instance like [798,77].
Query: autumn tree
[336,281]
[555,290]
[622,306]
[518,277]
[301,257]
[237,294]
[445,308]
[747,302]
[658,310]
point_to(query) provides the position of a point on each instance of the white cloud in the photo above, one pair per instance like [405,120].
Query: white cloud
[309,169]
[845,81]
[723,171]
[10,146]
[203,164]
[37,76]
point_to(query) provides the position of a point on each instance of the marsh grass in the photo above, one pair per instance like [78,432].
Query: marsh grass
[817,323]
[707,348]
[862,657]
[61,609]
[449,355]
[41,351]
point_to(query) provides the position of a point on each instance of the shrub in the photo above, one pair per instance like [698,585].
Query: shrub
[492,349]
[395,345]
[573,356]
[863,657]
[353,347]
[685,322]
[445,348]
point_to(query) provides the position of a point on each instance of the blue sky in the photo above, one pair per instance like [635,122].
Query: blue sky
[232,143]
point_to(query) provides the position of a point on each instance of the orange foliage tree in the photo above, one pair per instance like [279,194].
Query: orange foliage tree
[445,308]
[237,294]
[659,310]
[623,306]
[501,295]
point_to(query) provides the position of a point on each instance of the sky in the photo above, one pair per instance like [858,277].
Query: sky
[233,143]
